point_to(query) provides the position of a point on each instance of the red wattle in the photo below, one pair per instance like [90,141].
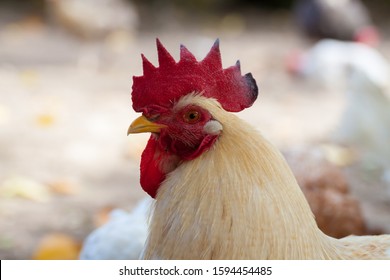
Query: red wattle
[151,175]
[153,157]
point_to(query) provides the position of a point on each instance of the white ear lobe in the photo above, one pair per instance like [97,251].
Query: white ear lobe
[212,127]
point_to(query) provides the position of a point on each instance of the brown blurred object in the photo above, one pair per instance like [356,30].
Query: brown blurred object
[93,19]
[63,187]
[57,246]
[30,22]
[337,211]
[347,20]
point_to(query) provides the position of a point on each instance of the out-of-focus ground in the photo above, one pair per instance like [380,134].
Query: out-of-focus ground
[65,108]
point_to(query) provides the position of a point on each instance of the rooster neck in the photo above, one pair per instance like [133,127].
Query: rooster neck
[237,201]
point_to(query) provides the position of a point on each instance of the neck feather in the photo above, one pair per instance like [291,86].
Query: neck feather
[239,200]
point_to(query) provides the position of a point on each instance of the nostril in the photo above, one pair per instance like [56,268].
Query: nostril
[152,117]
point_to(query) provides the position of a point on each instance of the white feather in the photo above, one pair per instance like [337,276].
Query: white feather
[122,237]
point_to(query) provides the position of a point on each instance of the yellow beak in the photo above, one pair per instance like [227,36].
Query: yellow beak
[142,124]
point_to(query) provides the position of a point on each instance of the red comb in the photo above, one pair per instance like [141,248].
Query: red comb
[166,84]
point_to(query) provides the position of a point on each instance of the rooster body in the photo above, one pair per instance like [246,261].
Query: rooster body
[225,215]
[222,190]
[230,204]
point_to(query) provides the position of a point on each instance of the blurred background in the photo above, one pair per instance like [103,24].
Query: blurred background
[66,70]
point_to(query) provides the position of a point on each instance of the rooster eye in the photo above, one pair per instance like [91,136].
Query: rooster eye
[192,116]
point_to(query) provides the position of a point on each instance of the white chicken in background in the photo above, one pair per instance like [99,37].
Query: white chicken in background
[366,121]
[122,237]
[330,61]
[364,74]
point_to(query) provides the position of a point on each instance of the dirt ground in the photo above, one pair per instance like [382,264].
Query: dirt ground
[65,107]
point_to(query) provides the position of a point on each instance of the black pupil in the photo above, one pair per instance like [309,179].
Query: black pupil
[193,115]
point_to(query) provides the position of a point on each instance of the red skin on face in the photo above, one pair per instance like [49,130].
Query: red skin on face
[180,141]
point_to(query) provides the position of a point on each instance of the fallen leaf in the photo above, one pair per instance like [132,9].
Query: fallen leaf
[45,120]
[23,187]
[57,246]
[63,187]
[102,216]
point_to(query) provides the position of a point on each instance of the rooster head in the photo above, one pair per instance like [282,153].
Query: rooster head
[181,129]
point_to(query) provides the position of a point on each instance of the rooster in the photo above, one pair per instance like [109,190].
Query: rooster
[221,190]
